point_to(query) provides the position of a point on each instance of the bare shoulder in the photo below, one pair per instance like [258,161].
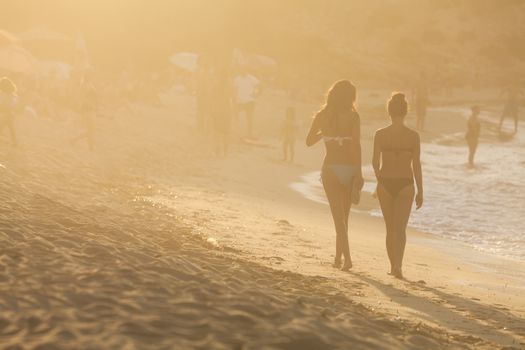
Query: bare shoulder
[379,134]
[413,135]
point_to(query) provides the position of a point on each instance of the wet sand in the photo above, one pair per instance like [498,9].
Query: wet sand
[150,243]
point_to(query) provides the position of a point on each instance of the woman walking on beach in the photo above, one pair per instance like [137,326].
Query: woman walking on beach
[338,125]
[396,164]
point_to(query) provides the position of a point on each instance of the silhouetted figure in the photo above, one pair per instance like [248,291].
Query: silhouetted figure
[288,133]
[396,163]
[511,106]
[221,110]
[421,101]
[88,109]
[472,135]
[246,90]
[203,91]
[338,125]
[8,104]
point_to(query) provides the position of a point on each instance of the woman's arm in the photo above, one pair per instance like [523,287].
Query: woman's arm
[356,139]
[314,135]
[418,174]
[376,157]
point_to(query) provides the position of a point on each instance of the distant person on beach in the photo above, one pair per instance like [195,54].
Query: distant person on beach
[88,109]
[396,164]
[8,105]
[289,129]
[221,110]
[472,135]
[511,108]
[421,101]
[338,125]
[246,90]
[203,94]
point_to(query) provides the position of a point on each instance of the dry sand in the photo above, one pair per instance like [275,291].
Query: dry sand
[150,243]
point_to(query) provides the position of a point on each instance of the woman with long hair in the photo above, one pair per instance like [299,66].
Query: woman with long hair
[338,125]
[396,164]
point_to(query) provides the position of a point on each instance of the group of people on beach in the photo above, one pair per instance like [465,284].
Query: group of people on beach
[10,106]
[222,93]
[396,163]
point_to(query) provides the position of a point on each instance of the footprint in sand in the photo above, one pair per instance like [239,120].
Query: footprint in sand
[284,223]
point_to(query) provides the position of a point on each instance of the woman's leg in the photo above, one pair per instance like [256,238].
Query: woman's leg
[402,208]
[516,115]
[333,191]
[387,207]
[346,200]
[285,150]
[502,118]
[471,151]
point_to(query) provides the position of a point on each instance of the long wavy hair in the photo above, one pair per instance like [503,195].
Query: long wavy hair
[340,99]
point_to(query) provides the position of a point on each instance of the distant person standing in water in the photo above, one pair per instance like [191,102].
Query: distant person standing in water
[472,135]
[289,129]
[421,101]
[8,104]
[338,125]
[246,90]
[396,163]
[511,108]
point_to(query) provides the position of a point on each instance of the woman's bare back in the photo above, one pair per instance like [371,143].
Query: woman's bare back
[398,146]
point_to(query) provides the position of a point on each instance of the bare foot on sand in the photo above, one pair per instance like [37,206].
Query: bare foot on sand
[396,272]
[347,266]
[337,263]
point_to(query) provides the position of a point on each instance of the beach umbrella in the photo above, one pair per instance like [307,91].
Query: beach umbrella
[261,61]
[43,34]
[185,60]
[7,38]
[16,59]
[48,45]
[56,69]
[254,61]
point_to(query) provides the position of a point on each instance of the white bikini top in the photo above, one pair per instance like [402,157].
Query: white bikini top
[338,139]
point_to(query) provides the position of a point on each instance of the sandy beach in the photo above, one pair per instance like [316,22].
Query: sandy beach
[150,242]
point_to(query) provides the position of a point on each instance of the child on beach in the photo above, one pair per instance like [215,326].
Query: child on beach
[472,136]
[8,102]
[288,132]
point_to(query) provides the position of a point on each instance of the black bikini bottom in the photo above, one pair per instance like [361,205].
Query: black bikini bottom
[395,185]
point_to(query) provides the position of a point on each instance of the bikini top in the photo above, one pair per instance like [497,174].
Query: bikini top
[335,127]
[338,139]
[397,149]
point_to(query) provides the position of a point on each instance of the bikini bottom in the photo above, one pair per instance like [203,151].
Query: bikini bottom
[344,173]
[395,185]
